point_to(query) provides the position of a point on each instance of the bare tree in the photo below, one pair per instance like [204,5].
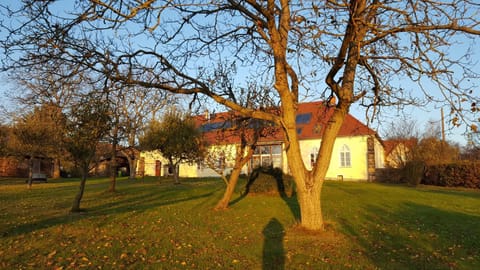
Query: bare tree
[137,106]
[362,49]
[243,131]
[88,123]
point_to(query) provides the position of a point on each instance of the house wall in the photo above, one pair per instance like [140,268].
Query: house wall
[379,155]
[398,156]
[148,167]
[357,171]
[192,169]
[358,157]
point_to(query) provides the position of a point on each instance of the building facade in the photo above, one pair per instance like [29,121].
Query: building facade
[357,151]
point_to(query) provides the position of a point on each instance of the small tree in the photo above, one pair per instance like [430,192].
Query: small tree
[176,138]
[37,135]
[246,131]
[87,125]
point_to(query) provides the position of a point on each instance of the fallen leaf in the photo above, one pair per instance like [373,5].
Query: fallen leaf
[51,254]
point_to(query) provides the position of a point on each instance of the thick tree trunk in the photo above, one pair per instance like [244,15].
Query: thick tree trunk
[311,209]
[132,163]
[79,196]
[227,195]
[175,173]
[309,183]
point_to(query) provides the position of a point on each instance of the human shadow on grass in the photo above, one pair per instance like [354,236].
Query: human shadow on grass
[416,236]
[273,256]
[140,203]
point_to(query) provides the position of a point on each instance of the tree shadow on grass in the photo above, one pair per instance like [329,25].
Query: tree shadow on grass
[154,198]
[284,186]
[417,236]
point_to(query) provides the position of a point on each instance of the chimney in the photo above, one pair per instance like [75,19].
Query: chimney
[332,101]
[207,115]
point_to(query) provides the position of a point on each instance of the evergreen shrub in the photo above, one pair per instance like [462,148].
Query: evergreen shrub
[269,180]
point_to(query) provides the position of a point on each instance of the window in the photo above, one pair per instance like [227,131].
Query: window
[221,161]
[267,155]
[313,156]
[345,157]
[303,118]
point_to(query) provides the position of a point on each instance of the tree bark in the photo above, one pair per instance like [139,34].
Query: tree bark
[132,163]
[30,172]
[113,163]
[232,183]
[56,168]
[79,196]
[310,204]
[175,170]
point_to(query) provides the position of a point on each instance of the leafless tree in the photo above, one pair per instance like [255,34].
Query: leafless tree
[137,106]
[364,50]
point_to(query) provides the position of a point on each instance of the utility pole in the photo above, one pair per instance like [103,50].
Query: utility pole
[443,125]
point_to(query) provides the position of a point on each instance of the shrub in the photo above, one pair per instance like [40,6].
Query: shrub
[460,174]
[389,175]
[269,180]
[413,172]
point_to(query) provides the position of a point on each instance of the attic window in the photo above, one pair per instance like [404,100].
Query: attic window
[303,118]
[299,131]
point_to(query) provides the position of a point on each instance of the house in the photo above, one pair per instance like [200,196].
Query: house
[398,151]
[12,166]
[357,151]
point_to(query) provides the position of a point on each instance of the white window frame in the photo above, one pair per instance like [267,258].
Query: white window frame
[345,157]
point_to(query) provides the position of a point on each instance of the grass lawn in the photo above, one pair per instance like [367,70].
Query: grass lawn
[154,224]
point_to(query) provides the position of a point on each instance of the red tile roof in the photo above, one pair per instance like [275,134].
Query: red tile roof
[311,119]
[390,145]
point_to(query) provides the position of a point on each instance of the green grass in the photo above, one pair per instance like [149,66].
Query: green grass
[157,225]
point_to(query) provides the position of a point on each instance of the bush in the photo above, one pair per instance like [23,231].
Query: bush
[269,180]
[460,174]
[389,175]
[413,172]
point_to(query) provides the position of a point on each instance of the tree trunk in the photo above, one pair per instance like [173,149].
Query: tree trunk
[175,170]
[30,172]
[132,163]
[79,196]
[232,183]
[56,168]
[113,167]
[310,204]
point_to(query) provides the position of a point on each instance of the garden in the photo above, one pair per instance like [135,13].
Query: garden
[154,224]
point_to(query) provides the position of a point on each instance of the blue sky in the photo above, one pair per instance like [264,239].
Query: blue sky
[421,114]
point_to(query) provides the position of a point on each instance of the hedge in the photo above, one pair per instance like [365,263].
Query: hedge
[459,174]
[462,174]
[269,180]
